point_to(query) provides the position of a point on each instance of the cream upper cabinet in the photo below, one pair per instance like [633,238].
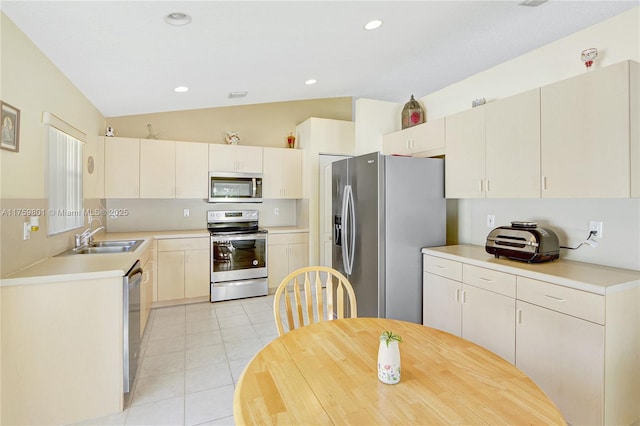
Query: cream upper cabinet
[423,140]
[122,167]
[493,151]
[192,169]
[512,137]
[282,173]
[589,134]
[235,158]
[157,168]
[465,154]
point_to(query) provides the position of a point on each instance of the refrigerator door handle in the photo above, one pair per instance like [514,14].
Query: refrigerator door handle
[343,229]
[352,221]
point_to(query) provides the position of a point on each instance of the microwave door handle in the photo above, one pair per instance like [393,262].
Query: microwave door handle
[255,188]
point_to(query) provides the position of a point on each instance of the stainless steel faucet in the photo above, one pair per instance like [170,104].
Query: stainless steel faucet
[86,237]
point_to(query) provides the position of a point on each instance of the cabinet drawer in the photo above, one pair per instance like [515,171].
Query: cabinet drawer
[175,244]
[567,300]
[443,267]
[292,238]
[498,282]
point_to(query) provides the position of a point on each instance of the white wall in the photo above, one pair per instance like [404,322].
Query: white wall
[616,39]
[374,119]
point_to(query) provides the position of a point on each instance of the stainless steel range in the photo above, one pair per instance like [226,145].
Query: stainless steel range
[238,255]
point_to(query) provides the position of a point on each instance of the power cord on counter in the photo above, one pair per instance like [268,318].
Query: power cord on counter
[588,241]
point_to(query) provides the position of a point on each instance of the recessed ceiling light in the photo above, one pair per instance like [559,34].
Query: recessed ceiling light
[177,18]
[181,89]
[372,25]
[233,95]
[311,81]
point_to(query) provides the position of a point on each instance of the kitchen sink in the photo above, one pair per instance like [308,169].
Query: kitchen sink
[103,247]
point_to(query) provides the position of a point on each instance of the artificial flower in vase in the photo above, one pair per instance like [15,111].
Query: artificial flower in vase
[389,358]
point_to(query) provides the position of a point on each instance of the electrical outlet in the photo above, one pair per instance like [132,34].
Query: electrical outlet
[596,226]
[26,233]
[491,221]
[185,212]
[276,211]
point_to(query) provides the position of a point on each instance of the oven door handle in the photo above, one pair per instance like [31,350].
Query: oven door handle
[257,236]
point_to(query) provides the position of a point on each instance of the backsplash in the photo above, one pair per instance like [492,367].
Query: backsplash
[168,215]
[569,219]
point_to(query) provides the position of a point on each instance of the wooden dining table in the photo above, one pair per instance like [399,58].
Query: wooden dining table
[326,373]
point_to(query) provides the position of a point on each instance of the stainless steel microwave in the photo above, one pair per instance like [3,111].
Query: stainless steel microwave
[235,187]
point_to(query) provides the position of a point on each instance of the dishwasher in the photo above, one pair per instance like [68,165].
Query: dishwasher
[131,324]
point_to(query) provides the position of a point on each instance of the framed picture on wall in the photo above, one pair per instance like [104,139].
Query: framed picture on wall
[10,120]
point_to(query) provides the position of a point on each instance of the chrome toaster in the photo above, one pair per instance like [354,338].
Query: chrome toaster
[523,241]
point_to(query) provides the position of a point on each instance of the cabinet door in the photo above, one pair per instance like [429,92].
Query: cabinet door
[428,139]
[395,143]
[192,169]
[298,256]
[222,158]
[563,355]
[292,173]
[488,319]
[248,159]
[465,154]
[157,169]
[170,275]
[513,146]
[272,173]
[585,135]
[441,303]
[196,273]
[277,264]
[122,168]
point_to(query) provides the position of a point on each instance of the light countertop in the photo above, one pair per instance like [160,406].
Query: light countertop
[589,277]
[91,266]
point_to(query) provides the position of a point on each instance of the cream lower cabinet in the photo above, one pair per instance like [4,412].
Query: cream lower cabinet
[480,313]
[183,268]
[286,253]
[581,348]
[146,287]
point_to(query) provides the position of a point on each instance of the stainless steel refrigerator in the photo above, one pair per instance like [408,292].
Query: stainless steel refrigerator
[385,209]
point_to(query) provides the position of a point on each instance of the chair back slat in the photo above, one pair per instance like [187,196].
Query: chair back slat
[318,302]
[298,299]
[339,300]
[308,295]
[287,303]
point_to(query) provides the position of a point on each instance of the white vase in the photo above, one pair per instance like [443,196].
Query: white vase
[389,362]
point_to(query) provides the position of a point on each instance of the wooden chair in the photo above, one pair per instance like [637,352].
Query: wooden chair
[306,301]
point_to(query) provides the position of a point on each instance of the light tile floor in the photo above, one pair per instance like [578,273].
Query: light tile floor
[192,357]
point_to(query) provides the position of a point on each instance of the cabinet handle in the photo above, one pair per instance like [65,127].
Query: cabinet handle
[519,316]
[457,295]
[544,183]
[487,185]
[145,277]
[439,266]
[481,185]
[557,299]
[464,297]
[486,279]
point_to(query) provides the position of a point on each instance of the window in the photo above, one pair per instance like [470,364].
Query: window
[64,176]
